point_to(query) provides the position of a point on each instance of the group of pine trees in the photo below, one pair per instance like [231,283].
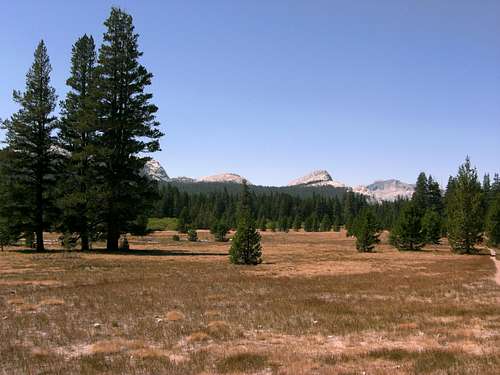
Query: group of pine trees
[81,172]
[421,220]
[466,214]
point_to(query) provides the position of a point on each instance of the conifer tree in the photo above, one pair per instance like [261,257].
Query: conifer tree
[127,126]
[77,137]
[407,233]
[183,221]
[493,222]
[31,165]
[263,224]
[421,194]
[315,223]
[192,235]
[336,225]
[309,224]
[434,197]
[431,227]
[465,210]
[367,231]
[297,223]
[272,226]
[220,230]
[325,225]
[246,247]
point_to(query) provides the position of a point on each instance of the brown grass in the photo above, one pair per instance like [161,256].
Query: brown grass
[173,316]
[315,305]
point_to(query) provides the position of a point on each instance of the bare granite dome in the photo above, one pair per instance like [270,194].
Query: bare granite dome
[155,171]
[386,190]
[316,178]
[224,177]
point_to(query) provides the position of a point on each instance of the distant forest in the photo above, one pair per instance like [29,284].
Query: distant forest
[201,204]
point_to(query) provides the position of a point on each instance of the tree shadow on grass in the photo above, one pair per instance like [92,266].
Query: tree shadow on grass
[149,252]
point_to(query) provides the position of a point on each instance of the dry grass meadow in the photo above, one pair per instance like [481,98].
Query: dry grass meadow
[315,306]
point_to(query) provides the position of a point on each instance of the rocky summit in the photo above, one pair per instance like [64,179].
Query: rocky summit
[316,178]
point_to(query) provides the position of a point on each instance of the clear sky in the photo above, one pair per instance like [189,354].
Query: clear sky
[272,89]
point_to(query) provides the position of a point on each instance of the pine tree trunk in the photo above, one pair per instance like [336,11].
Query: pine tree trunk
[39,239]
[39,220]
[85,240]
[112,239]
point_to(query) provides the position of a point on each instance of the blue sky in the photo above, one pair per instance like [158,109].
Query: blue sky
[274,89]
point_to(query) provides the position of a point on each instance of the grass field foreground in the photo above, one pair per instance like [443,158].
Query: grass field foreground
[315,306]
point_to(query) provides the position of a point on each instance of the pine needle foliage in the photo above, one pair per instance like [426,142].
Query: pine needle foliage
[246,247]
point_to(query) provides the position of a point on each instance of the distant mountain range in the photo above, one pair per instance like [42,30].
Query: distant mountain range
[384,190]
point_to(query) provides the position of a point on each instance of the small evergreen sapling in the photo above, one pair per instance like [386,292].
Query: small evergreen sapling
[183,221]
[366,231]
[246,247]
[263,224]
[272,226]
[297,223]
[192,235]
[220,230]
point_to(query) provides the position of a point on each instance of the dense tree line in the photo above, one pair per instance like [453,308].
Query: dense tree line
[270,209]
[81,173]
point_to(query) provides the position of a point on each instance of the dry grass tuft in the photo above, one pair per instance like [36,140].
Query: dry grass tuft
[219,329]
[16,301]
[150,353]
[197,337]
[242,362]
[40,352]
[114,346]
[51,302]
[211,314]
[173,316]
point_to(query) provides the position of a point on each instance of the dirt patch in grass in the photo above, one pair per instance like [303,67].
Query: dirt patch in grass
[113,346]
[173,316]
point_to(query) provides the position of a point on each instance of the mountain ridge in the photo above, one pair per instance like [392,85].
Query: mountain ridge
[379,190]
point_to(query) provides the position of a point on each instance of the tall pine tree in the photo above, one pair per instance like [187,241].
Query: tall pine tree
[464,210]
[77,137]
[493,222]
[32,158]
[127,126]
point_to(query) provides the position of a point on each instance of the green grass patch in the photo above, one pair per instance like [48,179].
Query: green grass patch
[162,223]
